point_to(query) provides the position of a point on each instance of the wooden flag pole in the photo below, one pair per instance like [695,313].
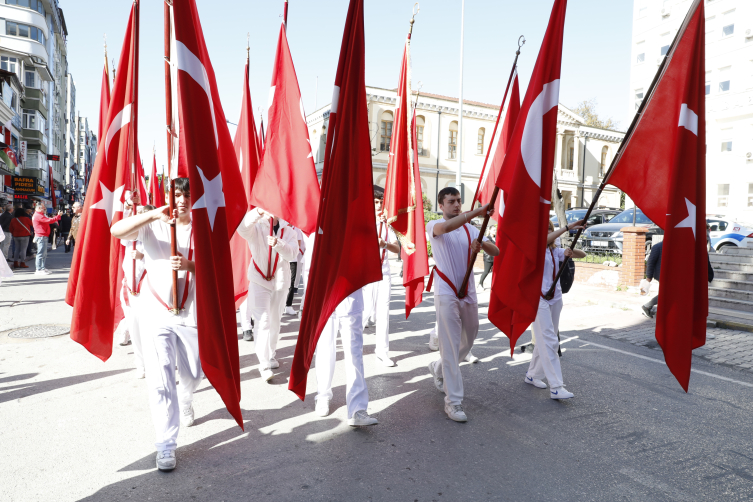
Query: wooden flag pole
[132,128]
[170,135]
[464,285]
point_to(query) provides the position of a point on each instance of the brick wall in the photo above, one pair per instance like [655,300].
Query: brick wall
[584,271]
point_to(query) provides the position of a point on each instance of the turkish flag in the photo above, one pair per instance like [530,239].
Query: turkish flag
[218,203]
[286,184]
[104,100]
[662,167]
[96,274]
[141,181]
[346,249]
[487,184]
[526,178]
[246,146]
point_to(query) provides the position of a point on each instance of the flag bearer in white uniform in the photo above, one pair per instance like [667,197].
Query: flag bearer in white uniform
[452,240]
[169,333]
[376,295]
[545,361]
[347,319]
[266,293]
[296,270]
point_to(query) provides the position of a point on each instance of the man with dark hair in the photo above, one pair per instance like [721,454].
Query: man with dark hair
[169,331]
[452,240]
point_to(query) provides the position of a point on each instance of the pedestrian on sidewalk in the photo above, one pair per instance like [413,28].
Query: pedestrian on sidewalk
[545,361]
[296,269]
[30,253]
[75,222]
[20,228]
[5,219]
[65,225]
[5,271]
[41,234]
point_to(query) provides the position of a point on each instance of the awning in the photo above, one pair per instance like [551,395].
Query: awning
[44,72]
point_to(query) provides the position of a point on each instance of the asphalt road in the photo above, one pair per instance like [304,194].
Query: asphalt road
[75,428]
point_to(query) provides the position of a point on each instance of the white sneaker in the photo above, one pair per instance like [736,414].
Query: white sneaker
[455,412]
[140,373]
[267,374]
[186,416]
[126,338]
[290,311]
[273,364]
[166,460]
[535,382]
[361,419]
[385,360]
[41,272]
[433,340]
[322,407]
[560,393]
[438,379]
[471,358]
[47,272]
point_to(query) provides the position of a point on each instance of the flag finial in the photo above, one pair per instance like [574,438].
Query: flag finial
[521,43]
[416,9]
[248,46]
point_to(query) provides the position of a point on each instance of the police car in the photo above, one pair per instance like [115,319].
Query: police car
[725,232]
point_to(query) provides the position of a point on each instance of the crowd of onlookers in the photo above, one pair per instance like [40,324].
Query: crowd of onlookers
[29,232]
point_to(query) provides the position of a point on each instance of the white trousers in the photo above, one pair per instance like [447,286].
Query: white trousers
[245,315]
[266,307]
[376,298]
[545,361]
[5,245]
[132,324]
[457,327]
[351,334]
[164,346]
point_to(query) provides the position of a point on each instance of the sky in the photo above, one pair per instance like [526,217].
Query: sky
[595,62]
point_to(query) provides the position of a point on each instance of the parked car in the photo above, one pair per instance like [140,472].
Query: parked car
[726,232]
[607,237]
[598,216]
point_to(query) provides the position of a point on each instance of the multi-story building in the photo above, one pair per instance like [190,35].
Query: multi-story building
[729,90]
[83,153]
[437,125]
[57,120]
[70,133]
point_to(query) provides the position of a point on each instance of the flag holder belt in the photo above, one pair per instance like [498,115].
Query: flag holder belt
[137,290]
[444,277]
[274,269]
[176,311]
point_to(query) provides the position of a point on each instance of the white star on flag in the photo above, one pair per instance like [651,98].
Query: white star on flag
[213,197]
[690,221]
[110,202]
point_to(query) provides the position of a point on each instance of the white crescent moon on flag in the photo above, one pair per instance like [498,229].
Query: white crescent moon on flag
[533,132]
[189,63]
[118,122]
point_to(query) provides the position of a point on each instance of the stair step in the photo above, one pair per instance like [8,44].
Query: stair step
[732,265]
[731,319]
[736,275]
[732,284]
[734,250]
[733,258]
[732,294]
[731,304]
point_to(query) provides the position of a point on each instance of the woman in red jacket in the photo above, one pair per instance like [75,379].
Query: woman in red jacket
[20,229]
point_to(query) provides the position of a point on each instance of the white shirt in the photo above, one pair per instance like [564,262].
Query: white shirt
[301,246]
[450,252]
[388,236]
[128,263]
[549,267]
[255,229]
[155,238]
[351,305]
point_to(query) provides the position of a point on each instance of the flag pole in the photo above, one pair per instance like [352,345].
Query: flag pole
[628,136]
[464,285]
[132,127]
[499,115]
[170,133]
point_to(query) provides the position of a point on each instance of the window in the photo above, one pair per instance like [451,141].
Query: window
[603,166]
[728,24]
[22,30]
[727,146]
[724,79]
[30,81]
[640,49]
[452,147]
[664,44]
[570,154]
[728,30]
[708,83]
[36,5]
[30,119]
[638,98]
[8,63]
[750,194]
[422,152]
[480,141]
[722,195]
[385,132]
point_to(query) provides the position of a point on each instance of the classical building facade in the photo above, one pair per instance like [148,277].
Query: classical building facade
[437,119]
[729,90]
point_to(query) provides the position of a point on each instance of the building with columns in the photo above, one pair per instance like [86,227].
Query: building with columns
[439,142]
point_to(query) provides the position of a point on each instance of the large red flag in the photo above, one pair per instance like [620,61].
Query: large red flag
[104,100]
[246,147]
[346,249]
[286,184]
[96,274]
[662,167]
[526,178]
[402,191]
[218,203]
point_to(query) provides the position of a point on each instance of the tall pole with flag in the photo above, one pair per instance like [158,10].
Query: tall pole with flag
[459,173]
[172,130]
[104,98]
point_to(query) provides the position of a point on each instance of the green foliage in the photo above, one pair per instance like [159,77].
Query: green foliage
[429,215]
[587,110]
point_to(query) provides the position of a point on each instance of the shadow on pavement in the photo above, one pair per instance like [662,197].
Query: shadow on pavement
[34,388]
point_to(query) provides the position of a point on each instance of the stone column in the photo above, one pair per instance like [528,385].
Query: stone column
[558,156]
[576,155]
[633,255]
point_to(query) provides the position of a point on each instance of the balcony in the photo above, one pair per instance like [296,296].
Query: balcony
[37,140]
[35,100]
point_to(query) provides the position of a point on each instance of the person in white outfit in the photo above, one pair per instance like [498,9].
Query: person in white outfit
[376,295]
[452,240]
[296,269]
[545,361]
[169,332]
[347,319]
[266,293]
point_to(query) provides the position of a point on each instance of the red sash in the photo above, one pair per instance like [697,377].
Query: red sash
[444,277]
[274,269]
[185,289]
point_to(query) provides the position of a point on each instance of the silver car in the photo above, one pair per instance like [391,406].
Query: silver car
[607,237]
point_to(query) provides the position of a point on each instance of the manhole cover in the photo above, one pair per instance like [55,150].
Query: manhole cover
[40,331]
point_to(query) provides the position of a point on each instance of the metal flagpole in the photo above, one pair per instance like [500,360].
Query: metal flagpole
[132,127]
[495,193]
[458,180]
[170,136]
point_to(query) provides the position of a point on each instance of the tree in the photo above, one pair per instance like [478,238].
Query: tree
[587,110]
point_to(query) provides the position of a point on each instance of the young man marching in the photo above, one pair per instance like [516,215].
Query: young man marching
[266,293]
[377,294]
[452,240]
[168,331]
